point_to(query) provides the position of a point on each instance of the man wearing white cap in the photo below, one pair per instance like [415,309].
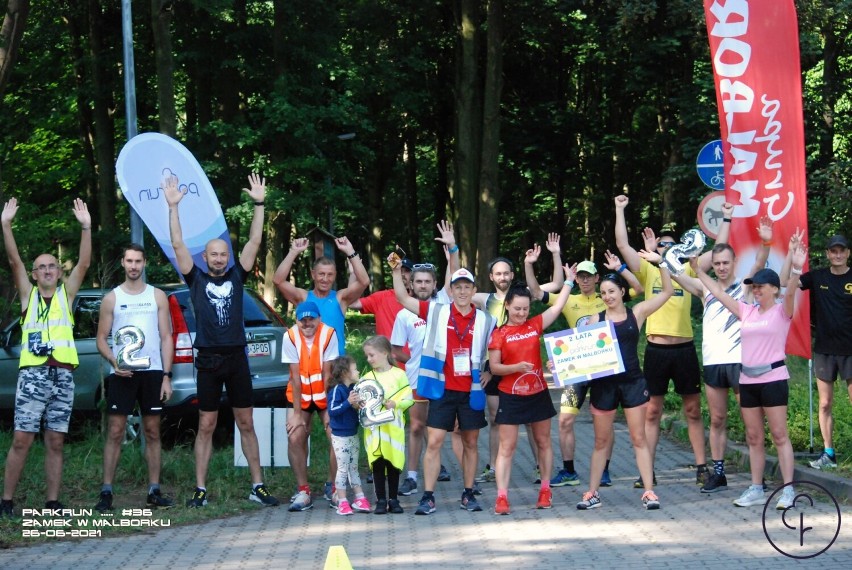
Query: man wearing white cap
[451,377]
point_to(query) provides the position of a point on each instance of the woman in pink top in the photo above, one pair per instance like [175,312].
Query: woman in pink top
[763,381]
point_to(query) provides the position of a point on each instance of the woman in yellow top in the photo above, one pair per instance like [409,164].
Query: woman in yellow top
[385,442]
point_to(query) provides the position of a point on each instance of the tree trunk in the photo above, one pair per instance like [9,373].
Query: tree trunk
[104,140]
[411,210]
[10,37]
[489,178]
[467,132]
[161,17]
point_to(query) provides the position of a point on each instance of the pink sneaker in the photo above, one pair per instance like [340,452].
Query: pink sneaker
[362,505]
[344,509]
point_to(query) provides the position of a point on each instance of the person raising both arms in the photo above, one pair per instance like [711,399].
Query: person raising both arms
[763,381]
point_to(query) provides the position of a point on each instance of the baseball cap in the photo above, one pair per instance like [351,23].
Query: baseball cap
[764,277]
[462,274]
[307,309]
[837,240]
[588,267]
[407,264]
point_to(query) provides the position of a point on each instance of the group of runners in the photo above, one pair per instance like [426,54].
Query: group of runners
[472,360]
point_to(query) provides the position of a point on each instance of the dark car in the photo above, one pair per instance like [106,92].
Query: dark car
[264,333]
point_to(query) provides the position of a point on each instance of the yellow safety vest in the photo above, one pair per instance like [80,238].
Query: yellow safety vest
[57,327]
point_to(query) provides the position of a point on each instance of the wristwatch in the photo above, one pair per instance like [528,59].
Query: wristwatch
[169,374]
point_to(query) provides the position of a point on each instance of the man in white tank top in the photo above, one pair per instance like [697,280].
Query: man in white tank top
[134,336]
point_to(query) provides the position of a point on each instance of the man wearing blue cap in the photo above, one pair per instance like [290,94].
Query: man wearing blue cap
[309,348]
[217,298]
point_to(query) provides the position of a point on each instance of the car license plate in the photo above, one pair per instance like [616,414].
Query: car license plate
[259,349]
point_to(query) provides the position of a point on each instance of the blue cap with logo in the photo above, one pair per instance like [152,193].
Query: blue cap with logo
[307,309]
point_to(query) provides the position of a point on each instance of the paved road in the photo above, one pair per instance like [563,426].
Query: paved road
[691,530]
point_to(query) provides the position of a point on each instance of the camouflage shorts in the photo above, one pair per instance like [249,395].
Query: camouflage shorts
[44,391]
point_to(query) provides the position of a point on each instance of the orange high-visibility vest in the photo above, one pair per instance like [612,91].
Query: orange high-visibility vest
[310,365]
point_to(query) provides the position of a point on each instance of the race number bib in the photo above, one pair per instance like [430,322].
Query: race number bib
[461,361]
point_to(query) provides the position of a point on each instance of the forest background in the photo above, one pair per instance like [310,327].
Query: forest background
[377,118]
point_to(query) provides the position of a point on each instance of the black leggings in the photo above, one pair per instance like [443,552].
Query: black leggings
[384,470]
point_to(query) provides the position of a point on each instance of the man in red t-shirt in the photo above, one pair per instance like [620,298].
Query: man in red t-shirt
[383,304]
[453,356]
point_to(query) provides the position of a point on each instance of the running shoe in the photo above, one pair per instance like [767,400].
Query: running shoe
[394,507]
[788,495]
[328,491]
[564,478]
[54,505]
[716,482]
[638,484]
[545,499]
[606,481]
[443,475]
[825,461]
[157,500]
[259,494]
[650,500]
[501,507]
[362,505]
[487,476]
[104,502]
[381,507]
[408,487]
[198,500]
[754,495]
[537,476]
[302,502]
[344,508]
[591,500]
[469,502]
[7,509]
[426,506]
[477,490]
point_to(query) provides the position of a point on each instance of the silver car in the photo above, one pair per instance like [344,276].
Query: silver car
[264,333]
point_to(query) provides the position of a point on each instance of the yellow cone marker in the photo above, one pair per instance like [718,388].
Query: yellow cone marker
[337,559]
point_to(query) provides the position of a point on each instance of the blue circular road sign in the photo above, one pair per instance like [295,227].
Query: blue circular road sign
[711,166]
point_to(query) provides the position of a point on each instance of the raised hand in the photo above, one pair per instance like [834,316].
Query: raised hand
[299,245]
[613,262]
[621,202]
[570,272]
[344,245]
[447,236]
[171,190]
[81,212]
[257,187]
[552,243]
[650,256]
[532,254]
[9,210]
[797,238]
[764,229]
[800,256]
[727,210]
[650,239]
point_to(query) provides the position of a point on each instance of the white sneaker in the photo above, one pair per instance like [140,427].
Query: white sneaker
[824,461]
[754,495]
[788,495]
[302,502]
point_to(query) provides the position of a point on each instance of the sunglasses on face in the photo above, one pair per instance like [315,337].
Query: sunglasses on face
[666,243]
